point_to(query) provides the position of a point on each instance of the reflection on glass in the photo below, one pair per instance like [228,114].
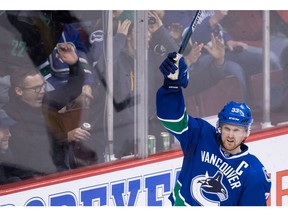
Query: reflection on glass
[64,57]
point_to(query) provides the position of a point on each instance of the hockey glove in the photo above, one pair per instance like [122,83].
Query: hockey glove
[168,67]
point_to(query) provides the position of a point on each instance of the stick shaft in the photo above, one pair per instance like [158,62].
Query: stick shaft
[185,42]
[190,31]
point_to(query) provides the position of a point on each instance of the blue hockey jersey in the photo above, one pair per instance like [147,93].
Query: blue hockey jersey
[209,175]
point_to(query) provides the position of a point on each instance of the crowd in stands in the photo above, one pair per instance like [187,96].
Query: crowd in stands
[53,69]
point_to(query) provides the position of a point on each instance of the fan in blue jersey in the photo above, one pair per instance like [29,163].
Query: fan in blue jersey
[217,168]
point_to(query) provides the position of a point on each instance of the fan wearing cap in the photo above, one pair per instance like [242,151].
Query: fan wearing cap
[217,168]
[6,158]
[5,123]
[9,171]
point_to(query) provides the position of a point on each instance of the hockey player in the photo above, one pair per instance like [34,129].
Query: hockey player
[217,168]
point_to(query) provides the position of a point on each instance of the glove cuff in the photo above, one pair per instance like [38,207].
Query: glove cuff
[172,85]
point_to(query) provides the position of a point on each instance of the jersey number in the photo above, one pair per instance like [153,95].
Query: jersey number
[18,48]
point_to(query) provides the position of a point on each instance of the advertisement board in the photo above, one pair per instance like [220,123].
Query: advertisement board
[144,182]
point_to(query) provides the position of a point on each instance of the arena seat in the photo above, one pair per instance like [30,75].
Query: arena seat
[210,101]
[256,86]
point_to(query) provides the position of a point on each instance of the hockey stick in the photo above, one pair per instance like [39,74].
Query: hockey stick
[184,43]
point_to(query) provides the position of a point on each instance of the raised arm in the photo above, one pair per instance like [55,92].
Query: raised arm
[60,97]
[170,105]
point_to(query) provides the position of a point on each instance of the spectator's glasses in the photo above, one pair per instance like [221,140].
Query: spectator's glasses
[37,89]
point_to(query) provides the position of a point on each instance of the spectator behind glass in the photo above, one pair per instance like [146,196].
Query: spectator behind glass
[5,123]
[241,60]
[178,21]
[248,26]
[13,52]
[37,142]
[123,86]
[160,42]
[4,87]
[204,76]
[9,171]
[6,175]
[40,31]
[56,72]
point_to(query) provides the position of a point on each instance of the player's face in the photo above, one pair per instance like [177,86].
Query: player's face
[232,136]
